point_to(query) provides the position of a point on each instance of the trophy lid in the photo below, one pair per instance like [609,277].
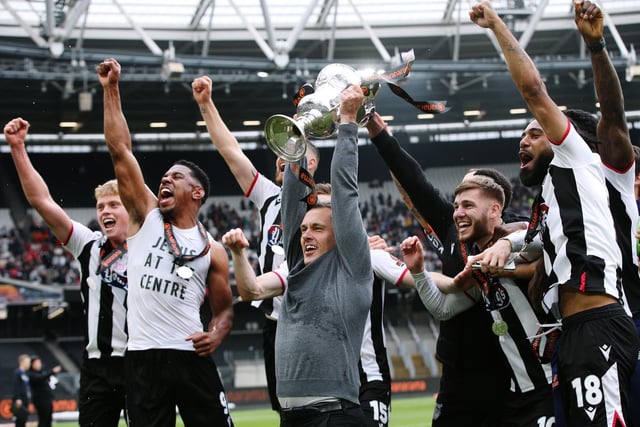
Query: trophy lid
[338,76]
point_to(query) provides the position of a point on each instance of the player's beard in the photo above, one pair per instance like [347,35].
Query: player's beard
[535,175]
[479,231]
[168,214]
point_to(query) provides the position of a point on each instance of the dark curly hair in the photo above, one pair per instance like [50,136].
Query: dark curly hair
[586,125]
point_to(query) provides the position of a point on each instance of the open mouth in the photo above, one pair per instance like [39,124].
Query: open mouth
[109,223]
[463,226]
[165,193]
[525,158]
[165,196]
[308,249]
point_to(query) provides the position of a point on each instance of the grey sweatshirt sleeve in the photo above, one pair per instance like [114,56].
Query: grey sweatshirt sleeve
[441,306]
[351,236]
[293,210]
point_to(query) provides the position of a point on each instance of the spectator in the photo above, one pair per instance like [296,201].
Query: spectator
[21,391]
[43,383]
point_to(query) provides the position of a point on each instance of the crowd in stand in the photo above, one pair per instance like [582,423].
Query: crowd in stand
[34,254]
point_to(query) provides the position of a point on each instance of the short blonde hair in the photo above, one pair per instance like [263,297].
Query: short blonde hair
[312,151]
[323,188]
[109,188]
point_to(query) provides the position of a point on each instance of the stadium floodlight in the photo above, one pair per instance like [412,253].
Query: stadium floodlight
[85,101]
[171,68]
[633,73]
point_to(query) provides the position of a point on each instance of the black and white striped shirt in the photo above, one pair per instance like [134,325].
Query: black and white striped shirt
[578,232]
[104,294]
[624,209]
[265,194]
[506,301]
[374,364]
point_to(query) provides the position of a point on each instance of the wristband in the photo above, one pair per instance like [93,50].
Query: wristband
[598,46]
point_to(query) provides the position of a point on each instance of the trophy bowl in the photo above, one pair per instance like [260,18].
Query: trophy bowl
[285,137]
[316,114]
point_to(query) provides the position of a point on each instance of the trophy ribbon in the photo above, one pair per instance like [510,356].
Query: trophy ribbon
[305,89]
[401,73]
[305,177]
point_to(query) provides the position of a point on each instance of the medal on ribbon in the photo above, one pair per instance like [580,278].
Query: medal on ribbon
[499,327]
[184,272]
[181,259]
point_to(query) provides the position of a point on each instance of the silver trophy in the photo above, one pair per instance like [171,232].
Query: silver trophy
[317,113]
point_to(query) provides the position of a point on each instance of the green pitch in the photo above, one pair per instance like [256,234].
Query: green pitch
[405,412]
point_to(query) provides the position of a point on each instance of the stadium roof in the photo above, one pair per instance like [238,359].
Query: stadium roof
[258,52]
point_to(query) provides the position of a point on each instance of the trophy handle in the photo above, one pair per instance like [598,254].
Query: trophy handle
[370,90]
[285,137]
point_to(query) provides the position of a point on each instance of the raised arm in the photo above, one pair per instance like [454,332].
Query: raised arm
[249,286]
[135,195]
[33,186]
[422,198]
[351,238]
[224,141]
[616,149]
[523,72]
[293,210]
[41,377]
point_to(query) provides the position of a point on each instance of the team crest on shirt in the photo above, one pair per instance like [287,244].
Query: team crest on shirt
[115,275]
[497,296]
[544,211]
[274,235]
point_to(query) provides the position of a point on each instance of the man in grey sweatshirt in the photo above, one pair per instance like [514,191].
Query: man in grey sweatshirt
[325,307]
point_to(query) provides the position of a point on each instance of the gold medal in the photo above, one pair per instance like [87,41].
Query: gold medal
[184,272]
[499,327]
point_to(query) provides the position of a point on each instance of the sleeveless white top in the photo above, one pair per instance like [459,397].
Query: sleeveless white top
[164,308]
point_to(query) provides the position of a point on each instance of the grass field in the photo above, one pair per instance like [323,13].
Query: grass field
[405,412]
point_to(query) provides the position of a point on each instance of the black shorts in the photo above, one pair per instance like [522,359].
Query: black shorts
[375,401]
[102,392]
[531,409]
[349,415]
[450,414]
[160,380]
[596,357]
[466,404]
[634,390]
